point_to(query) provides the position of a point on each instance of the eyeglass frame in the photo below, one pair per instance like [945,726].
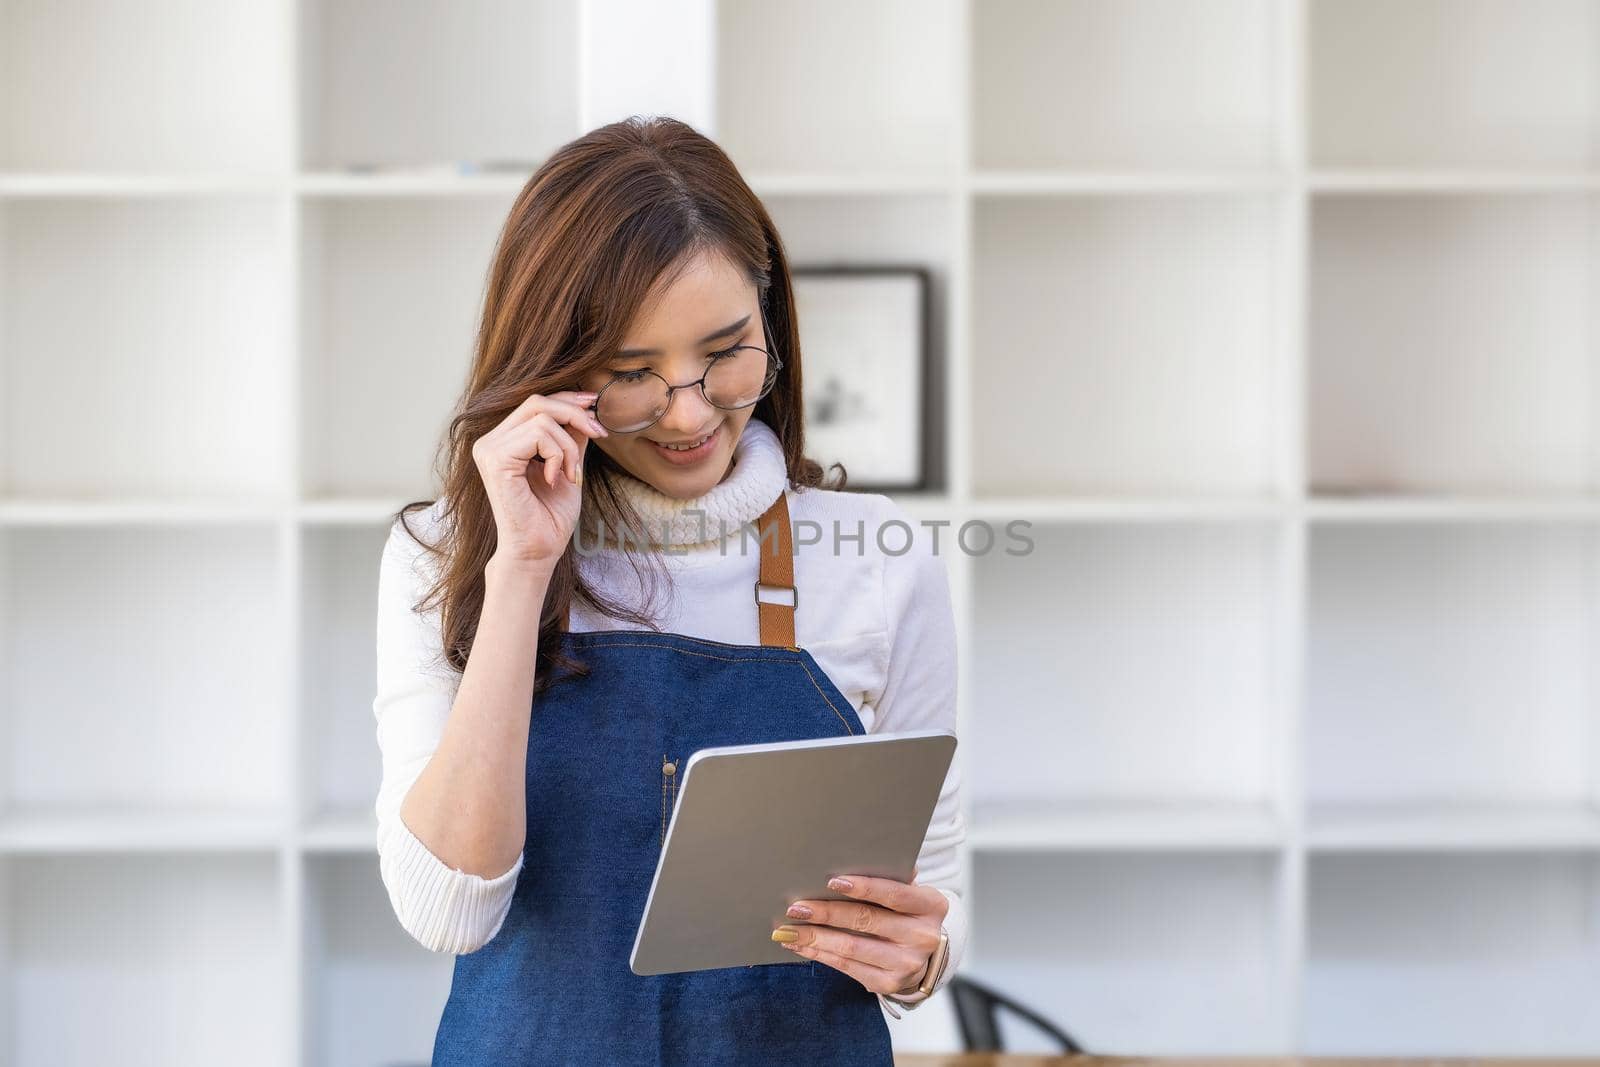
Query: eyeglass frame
[775,361]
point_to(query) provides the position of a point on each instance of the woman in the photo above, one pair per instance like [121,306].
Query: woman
[632,417]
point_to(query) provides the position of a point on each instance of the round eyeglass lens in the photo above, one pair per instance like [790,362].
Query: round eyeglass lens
[630,404]
[739,379]
[736,380]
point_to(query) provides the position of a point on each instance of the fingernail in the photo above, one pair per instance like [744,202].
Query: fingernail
[841,884]
[785,934]
[579,479]
[799,911]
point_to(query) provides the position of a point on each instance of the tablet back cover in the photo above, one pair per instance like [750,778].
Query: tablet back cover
[758,826]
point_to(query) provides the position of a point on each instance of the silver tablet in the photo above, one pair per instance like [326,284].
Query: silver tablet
[758,826]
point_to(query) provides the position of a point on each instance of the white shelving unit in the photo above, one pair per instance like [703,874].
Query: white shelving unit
[1274,317]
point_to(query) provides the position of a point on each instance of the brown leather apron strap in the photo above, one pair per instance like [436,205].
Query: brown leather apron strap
[776,547]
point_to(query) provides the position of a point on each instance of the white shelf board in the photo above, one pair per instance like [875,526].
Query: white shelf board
[992,183]
[1355,508]
[1171,826]
[350,511]
[1450,181]
[89,185]
[22,511]
[462,180]
[1167,826]
[1450,507]
[421,181]
[1132,508]
[341,831]
[447,181]
[147,830]
[823,183]
[1452,828]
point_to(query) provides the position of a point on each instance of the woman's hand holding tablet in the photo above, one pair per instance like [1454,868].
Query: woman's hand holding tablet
[884,936]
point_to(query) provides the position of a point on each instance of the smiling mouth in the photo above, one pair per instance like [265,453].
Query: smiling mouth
[685,446]
[691,451]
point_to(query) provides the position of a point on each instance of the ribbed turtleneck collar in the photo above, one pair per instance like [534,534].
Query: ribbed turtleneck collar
[758,475]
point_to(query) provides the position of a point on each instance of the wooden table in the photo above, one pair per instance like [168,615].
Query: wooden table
[1012,1059]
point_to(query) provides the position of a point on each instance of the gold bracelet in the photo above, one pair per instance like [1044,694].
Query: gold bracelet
[936,962]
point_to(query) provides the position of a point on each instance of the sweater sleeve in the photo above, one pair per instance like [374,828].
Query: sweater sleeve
[919,692]
[444,909]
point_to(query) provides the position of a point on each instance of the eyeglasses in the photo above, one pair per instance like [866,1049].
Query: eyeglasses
[636,400]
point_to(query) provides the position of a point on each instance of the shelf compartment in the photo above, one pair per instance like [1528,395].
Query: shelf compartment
[1134,955]
[392,294]
[846,230]
[374,994]
[1466,955]
[164,86]
[144,669]
[876,99]
[1125,85]
[145,347]
[1085,390]
[1504,84]
[339,588]
[1451,348]
[1065,637]
[150,959]
[400,83]
[1451,664]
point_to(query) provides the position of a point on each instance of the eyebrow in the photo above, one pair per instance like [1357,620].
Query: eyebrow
[716,335]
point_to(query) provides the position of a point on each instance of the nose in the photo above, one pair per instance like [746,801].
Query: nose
[687,413]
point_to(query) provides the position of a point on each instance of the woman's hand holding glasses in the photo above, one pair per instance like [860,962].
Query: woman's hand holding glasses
[531,464]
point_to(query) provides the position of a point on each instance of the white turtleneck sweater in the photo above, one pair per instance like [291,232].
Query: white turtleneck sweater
[879,624]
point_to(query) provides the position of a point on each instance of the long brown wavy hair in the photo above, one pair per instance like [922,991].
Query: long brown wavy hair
[605,219]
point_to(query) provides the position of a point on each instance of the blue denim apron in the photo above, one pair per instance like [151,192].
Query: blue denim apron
[554,985]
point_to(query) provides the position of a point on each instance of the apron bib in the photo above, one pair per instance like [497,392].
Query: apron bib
[604,751]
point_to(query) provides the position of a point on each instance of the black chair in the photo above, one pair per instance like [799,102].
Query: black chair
[977,1010]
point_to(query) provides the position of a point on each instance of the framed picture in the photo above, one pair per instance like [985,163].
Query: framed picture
[864,343]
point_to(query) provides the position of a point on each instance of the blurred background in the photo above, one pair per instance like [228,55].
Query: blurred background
[1275,318]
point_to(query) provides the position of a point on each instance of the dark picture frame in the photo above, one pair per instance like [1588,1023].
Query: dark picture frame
[864,337]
